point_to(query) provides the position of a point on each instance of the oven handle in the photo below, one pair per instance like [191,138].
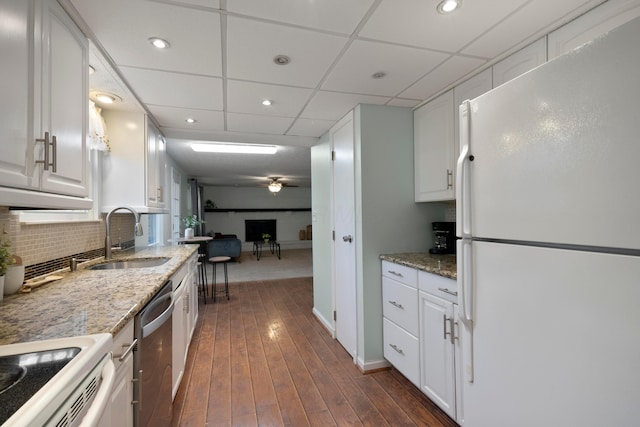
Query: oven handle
[103,397]
[153,326]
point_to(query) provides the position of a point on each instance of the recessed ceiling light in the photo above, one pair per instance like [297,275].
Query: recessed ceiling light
[159,43]
[379,75]
[105,98]
[230,147]
[190,120]
[281,59]
[448,6]
[267,102]
[91,70]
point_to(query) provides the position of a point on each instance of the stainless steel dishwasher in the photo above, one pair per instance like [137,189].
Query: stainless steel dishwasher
[152,360]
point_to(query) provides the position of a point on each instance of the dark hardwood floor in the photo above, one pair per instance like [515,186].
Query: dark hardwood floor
[262,358]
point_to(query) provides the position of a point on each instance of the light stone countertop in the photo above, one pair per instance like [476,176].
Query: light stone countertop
[88,301]
[442,265]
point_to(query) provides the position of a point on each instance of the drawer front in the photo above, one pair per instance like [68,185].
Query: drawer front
[402,349]
[401,273]
[400,304]
[439,286]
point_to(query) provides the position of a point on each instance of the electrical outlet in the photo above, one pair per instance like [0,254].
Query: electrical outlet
[4,226]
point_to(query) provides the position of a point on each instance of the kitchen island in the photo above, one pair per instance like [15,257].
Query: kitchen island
[86,301]
[442,265]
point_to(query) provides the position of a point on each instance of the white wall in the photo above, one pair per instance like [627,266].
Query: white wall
[289,223]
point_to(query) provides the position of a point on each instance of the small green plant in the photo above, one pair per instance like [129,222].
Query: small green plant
[5,255]
[266,236]
[191,221]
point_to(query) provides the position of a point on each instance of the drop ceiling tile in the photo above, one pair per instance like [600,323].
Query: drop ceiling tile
[402,66]
[252,45]
[527,22]
[402,102]
[310,127]
[212,4]
[445,75]
[313,14]
[245,97]
[334,105]
[171,117]
[175,90]
[423,26]
[258,124]
[196,51]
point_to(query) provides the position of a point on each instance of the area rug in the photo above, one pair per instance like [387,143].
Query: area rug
[292,263]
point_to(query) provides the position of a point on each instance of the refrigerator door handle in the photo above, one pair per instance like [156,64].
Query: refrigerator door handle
[463,205]
[465,315]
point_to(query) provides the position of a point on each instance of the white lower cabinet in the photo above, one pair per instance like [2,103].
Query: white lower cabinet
[420,328]
[183,321]
[439,343]
[122,395]
[437,361]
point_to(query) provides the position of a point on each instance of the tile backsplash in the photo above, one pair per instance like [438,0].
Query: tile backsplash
[46,247]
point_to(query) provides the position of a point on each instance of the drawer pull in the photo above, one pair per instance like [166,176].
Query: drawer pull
[396,304]
[395,347]
[447,291]
[130,348]
[395,273]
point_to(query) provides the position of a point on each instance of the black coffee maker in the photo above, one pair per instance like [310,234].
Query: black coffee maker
[444,237]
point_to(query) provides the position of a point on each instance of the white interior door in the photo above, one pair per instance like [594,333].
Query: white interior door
[344,225]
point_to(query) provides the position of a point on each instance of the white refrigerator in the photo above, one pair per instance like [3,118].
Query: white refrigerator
[548,215]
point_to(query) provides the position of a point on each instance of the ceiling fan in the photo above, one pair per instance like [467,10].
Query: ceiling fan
[275,185]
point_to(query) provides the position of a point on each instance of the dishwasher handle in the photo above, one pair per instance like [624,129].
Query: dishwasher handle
[153,326]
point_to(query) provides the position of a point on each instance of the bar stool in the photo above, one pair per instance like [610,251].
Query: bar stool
[203,283]
[220,260]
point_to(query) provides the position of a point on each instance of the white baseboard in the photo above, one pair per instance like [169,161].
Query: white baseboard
[372,365]
[328,325]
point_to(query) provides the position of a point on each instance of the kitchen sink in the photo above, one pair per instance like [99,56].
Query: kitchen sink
[129,263]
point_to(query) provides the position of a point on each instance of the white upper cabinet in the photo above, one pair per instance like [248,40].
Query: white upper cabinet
[134,170]
[64,102]
[434,149]
[520,62]
[592,24]
[44,114]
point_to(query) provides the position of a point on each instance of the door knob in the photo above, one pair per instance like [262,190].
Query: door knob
[347,238]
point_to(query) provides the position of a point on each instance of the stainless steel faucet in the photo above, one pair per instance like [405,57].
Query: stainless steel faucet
[107,221]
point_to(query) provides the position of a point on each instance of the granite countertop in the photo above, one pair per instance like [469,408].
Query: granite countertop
[442,265]
[88,301]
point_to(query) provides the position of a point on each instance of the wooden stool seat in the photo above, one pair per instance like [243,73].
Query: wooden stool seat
[220,260]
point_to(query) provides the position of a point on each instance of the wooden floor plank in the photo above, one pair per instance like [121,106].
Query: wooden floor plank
[262,358]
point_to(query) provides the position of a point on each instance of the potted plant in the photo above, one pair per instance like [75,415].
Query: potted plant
[189,222]
[5,261]
[266,237]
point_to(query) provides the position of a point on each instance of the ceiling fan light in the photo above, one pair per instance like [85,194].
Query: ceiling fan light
[275,187]
[229,147]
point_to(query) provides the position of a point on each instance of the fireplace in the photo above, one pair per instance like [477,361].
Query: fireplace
[253,229]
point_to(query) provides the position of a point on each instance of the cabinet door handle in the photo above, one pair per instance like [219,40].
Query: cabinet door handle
[449,178]
[396,304]
[54,152]
[396,348]
[46,143]
[447,291]
[445,320]
[395,273]
[347,238]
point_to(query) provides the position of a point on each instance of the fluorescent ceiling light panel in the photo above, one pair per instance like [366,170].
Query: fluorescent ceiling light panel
[214,147]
